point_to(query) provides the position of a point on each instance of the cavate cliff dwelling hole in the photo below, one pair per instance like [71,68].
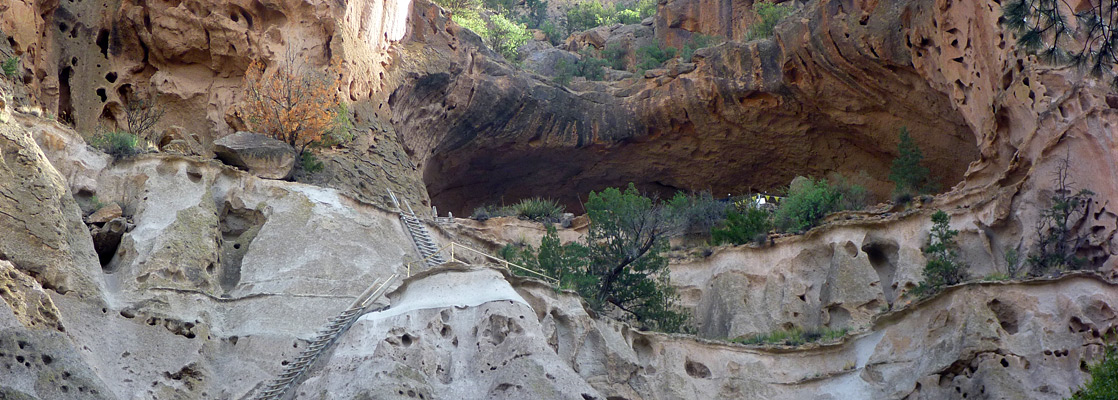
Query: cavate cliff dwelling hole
[696,369]
[839,317]
[1006,314]
[882,255]
[106,240]
[238,226]
[103,42]
[65,102]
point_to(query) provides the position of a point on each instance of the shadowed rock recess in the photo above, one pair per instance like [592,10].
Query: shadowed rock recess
[172,275]
[827,94]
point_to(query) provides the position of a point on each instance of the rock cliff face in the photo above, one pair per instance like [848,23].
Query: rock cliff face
[219,276]
[826,94]
[207,295]
[83,60]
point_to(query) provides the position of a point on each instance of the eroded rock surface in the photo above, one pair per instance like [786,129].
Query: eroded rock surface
[490,341]
[258,154]
[42,225]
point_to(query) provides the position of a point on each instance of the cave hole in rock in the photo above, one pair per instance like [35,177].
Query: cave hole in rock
[109,113]
[106,240]
[882,255]
[103,42]
[696,369]
[111,77]
[238,226]
[65,105]
[1006,314]
[101,94]
[839,317]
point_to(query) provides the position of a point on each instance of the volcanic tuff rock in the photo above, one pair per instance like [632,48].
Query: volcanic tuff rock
[258,154]
[525,340]
[210,292]
[750,115]
[463,115]
[42,224]
[87,57]
[220,321]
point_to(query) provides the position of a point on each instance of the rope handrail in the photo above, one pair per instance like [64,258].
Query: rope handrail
[508,265]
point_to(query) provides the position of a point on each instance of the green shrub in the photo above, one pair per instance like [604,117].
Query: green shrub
[627,17]
[341,130]
[743,227]
[768,15]
[536,209]
[697,212]
[499,33]
[622,263]
[309,163]
[907,173]
[615,54]
[564,71]
[457,6]
[854,196]
[653,56]
[808,201]
[472,21]
[587,15]
[592,14]
[506,37]
[943,267]
[627,237]
[795,337]
[593,68]
[1058,241]
[1104,379]
[537,15]
[500,6]
[11,67]
[698,41]
[116,143]
[552,32]
[481,214]
[565,262]
[646,8]
[1012,263]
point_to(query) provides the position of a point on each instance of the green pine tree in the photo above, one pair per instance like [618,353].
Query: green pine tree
[1043,28]
[907,173]
[943,267]
[628,239]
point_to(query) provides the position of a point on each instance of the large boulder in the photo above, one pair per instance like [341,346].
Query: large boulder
[258,154]
[545,61]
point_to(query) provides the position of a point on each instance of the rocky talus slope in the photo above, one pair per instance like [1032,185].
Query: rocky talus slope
[208,279]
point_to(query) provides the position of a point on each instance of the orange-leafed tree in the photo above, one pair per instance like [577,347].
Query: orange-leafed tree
[289,101]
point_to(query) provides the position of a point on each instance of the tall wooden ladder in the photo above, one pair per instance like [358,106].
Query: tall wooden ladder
[424,243]
[293,371]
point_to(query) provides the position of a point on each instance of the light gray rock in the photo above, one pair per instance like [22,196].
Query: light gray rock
[481,342]
[544,61]
[41,224]
[105,214]
[258,154]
